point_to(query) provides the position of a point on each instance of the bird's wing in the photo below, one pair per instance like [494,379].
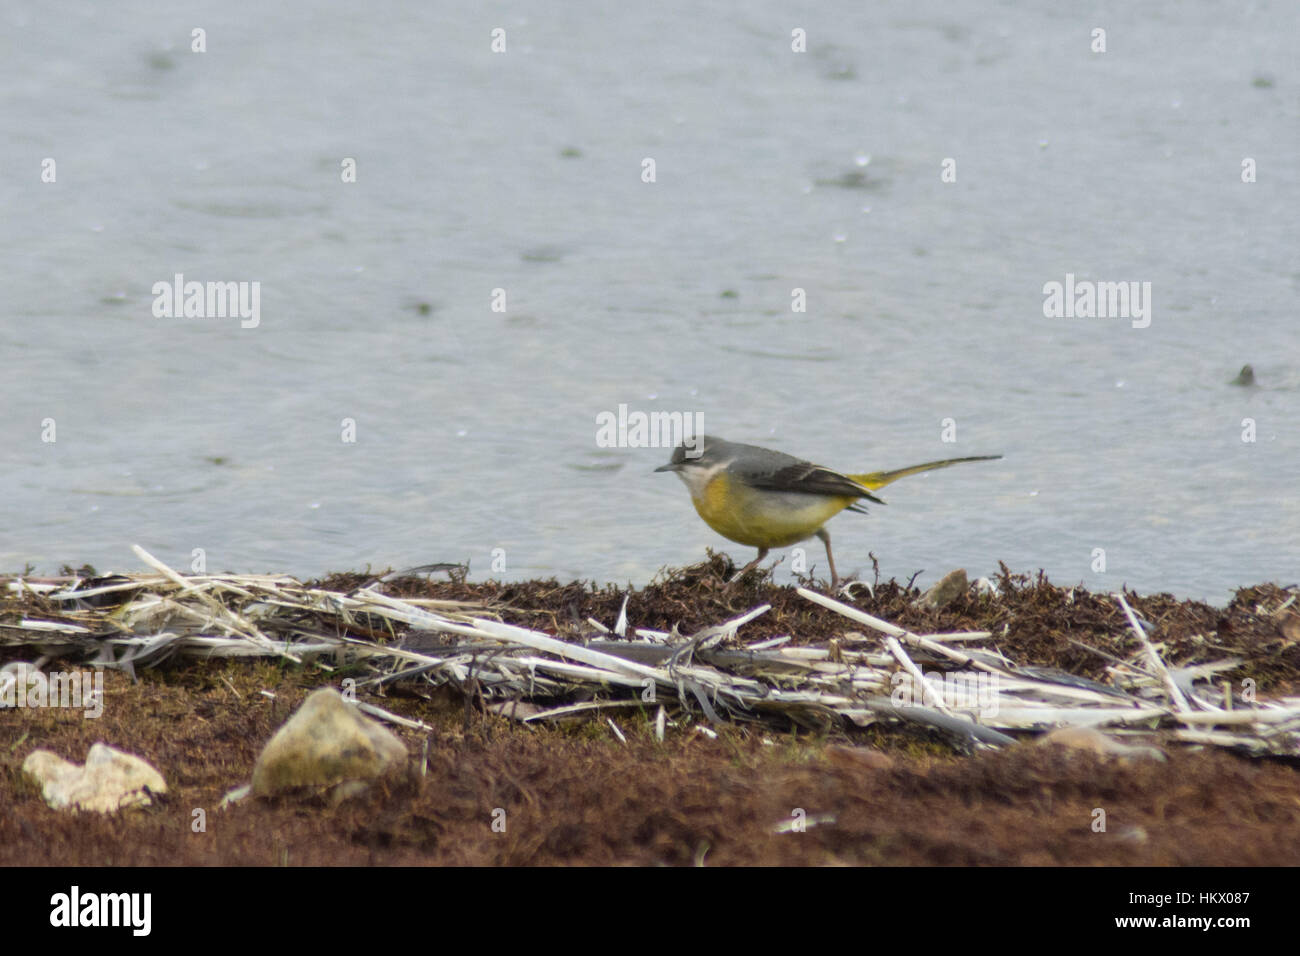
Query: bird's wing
[806,478]
[878,479]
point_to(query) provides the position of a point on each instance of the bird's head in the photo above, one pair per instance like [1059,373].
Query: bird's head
[696,460]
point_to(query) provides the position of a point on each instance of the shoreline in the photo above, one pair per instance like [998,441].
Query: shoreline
[611,782]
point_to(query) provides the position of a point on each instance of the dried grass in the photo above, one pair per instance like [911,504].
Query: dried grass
[979,699]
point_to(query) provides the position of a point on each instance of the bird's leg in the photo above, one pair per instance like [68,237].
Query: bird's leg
[762,553]
[826,540]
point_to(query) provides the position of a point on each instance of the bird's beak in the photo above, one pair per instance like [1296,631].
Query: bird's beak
[669,467]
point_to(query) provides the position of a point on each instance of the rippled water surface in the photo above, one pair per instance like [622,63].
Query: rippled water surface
[774,171]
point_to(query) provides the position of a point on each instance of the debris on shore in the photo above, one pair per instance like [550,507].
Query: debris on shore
[990,665]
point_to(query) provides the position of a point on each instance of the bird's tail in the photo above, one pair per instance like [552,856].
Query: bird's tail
[878,479]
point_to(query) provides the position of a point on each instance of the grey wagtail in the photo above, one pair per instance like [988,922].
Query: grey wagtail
[768,499]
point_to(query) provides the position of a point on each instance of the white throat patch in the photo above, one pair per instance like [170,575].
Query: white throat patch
[697,478]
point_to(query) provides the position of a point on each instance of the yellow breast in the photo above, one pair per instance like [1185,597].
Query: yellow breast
[764,519]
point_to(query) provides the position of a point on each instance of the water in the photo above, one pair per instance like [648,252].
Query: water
[774,171]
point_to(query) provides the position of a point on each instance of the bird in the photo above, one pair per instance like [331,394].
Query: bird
[767,499]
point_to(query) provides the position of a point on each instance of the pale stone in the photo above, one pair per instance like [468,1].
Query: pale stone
[110,781]
[949,588]
[328,742]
